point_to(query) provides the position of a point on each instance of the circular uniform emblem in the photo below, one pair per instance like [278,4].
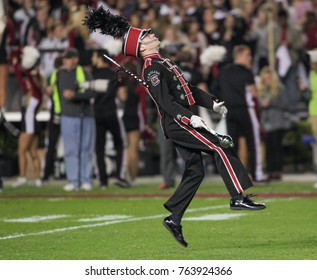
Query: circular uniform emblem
[182,96]
[154,78]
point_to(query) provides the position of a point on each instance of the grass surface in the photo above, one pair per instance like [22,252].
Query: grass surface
[61,225]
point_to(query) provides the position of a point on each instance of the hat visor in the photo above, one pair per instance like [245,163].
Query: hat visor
[145,32]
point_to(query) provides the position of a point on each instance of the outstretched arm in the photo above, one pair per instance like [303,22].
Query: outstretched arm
[207,100]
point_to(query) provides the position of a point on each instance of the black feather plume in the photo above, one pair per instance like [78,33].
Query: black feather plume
[109,24]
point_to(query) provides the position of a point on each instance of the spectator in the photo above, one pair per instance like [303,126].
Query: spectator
[52,46]
[77,34]
[36,28]
[142,6]
[6,39]
[229,37]
[260,32]
[23,16]
[31,101]
[173,38]
[77,123]
[239,94]
[134,119]
[197,39]
[301,7]
[107,119]
[312,109]
[310,29]
[189,10]
[151,19]
[168,160]
[211,27]
[169,10]
[291,40]
[274,109]
[54,123]
[221,9]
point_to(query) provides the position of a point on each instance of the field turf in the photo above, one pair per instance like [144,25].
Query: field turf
[126,224]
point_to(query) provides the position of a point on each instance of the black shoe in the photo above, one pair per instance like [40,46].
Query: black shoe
[175,230]
[246,204]
[122,183]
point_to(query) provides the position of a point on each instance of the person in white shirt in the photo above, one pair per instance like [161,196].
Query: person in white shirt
[56,41]
[23,17]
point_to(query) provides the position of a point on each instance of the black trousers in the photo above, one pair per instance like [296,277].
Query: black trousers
[114,125]
[190,143]
[54,131]
[274,151]
[244,122]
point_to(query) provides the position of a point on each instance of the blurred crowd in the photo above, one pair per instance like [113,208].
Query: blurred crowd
[281,36]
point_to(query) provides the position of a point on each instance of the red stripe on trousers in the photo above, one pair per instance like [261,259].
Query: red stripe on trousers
[219,151]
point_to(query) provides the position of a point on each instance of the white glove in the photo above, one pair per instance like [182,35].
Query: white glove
[196,122]
[219,108]
[99,85]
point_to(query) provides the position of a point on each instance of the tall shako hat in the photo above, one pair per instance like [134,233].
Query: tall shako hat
[117,27]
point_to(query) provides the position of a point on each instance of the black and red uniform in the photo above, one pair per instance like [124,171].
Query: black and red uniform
[173,97]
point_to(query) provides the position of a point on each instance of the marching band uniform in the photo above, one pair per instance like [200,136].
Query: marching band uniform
[173,97]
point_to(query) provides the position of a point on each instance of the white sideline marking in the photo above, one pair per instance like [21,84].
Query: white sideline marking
[104,218]
[214,217]
[103,224]
[35,219]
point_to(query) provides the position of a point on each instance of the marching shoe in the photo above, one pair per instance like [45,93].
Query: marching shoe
[246,204]
[175,230]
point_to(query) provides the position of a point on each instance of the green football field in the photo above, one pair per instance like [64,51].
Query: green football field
[126,224]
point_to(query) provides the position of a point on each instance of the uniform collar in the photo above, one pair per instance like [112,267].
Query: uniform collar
[152,55]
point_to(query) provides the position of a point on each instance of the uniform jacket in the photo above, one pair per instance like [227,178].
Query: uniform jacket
[172,94]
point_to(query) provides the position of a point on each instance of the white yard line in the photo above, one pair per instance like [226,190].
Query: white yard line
[103,224]
[116,222]
[35,219]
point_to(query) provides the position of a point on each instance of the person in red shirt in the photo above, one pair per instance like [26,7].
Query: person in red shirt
[32,82]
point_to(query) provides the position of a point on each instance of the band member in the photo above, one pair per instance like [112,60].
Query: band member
[173,97]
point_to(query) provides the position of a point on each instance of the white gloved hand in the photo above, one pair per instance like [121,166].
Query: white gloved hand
[219,108]
[99,85]
[196,122]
